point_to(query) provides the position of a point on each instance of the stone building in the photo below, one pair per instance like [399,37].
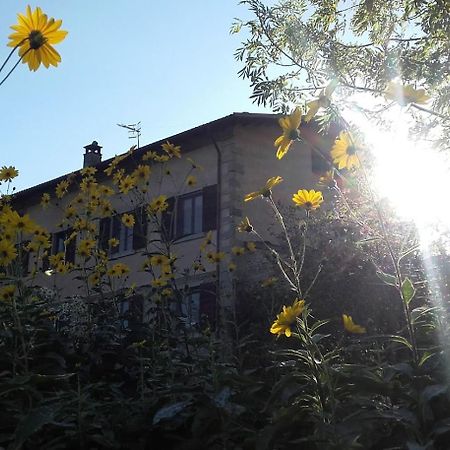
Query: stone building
[237,155]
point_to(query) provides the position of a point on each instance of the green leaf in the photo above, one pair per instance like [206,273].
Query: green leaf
[387,278]
[425,357]
[401,340]
[408,290]
[409,251]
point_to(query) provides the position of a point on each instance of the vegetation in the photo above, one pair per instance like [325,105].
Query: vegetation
[343,346]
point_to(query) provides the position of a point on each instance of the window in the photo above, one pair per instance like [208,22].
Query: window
[130,238]
[130,312]
[319,161]
[191,217]
[199,306]
[192,213]
[59,245]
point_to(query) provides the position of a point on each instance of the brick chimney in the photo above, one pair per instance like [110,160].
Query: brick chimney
[92,155]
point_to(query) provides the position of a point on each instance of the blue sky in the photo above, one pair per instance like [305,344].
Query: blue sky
[168,64]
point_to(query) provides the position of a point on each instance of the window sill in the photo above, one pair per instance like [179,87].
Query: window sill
[121,254]
[190,237]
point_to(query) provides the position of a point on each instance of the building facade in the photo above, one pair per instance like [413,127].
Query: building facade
[203,192]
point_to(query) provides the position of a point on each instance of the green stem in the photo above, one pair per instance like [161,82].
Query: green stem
[12,70]
[11,53]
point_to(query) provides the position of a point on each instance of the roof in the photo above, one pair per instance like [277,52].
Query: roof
[205,131]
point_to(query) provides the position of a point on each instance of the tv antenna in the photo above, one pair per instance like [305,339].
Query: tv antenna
[134,130]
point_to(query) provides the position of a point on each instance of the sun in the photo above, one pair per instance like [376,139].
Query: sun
[408,172]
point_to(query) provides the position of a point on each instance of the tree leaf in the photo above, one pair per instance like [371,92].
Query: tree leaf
[408,290]
[387,278]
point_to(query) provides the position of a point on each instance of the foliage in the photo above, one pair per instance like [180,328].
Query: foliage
[362,351]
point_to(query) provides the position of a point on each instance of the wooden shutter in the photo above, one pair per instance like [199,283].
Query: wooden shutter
[71,247]
[210,207]
[139,229]
[45,260]
[104,233]
[208,303]
[168,221]
[319,165]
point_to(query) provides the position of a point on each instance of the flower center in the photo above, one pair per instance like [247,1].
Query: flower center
[294,134]
[308,205]
[36,39]
[351,150]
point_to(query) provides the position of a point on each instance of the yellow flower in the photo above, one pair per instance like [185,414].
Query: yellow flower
[268,282]
[245,226]
[215,257]
[161,158]
[85,247]
[45,200]
[350,326]
[322,102]
[63,267]
[8,173]
[206,241]
[61,188]
[35,34]
[158,204]
[266,191]
[128,220]
[142,173]
[105,190]
[171,149]
[7,292]
[289,125]
[191,180]
[149,155]
[118,270]
[56,258]
[88,171]
[94,278]
[232,267]
[126,184]
[113,242]
[21,223]
[287,317]
[238,251]
[404,95]
[309,200]
[251,246]
[70,212]
[158,282]
[106,208]
[159,260]
[88,184]
[344,151]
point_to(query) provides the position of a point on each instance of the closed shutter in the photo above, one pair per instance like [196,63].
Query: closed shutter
[208,303]
[70,247]
[104,233]
[210,207]
[45,260]
[140,229]
[168,221]
[319,164]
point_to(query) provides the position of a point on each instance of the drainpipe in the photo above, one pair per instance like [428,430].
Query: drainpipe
[219,209]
